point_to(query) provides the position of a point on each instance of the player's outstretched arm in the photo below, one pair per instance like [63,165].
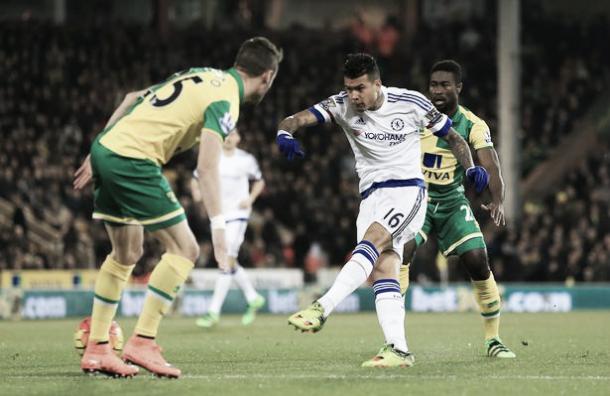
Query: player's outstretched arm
[210,147]
[301,119]
[288,145]
[460,149]
[488,157]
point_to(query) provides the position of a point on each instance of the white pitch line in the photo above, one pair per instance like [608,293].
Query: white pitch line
[220,377]
[391,376]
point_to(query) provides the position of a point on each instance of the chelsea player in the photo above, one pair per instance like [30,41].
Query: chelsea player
[382,125]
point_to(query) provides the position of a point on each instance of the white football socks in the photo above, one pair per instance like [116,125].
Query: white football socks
[221,288]
[391,312]
[245,284]
[351,276]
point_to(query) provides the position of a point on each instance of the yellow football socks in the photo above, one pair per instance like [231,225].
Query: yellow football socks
[488,297]
[165,281]
[108,287]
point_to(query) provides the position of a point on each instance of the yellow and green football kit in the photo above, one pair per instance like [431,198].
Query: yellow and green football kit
[126,158]
[450,216]
[130,188]
[448,212]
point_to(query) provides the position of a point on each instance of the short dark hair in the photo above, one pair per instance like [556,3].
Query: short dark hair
[359,64]
[257,55]
[450,66]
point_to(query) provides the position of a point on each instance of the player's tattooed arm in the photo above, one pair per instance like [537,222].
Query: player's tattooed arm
[288,145]
[459,148]
[301,119]
[488,157]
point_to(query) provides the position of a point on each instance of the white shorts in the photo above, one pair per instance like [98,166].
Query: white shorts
[235,232]
[400,210]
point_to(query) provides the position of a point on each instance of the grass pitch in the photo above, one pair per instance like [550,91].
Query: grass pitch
[556,354]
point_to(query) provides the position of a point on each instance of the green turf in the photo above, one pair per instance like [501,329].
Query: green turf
[565,354]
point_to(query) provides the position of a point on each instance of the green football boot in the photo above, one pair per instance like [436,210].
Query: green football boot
[208,320]
[310,319]
[253,307]
[496,349]
[388,357]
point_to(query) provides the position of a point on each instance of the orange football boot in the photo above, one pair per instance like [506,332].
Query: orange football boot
[100,358]
[145,353]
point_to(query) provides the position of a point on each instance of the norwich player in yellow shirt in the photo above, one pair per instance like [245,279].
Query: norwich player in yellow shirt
[199,106]
[448,214]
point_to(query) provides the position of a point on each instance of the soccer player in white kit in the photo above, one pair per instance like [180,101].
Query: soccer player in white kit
[382,125]
[237,170]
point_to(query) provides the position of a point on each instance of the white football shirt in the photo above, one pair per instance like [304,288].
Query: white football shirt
[385,141]
[236,172]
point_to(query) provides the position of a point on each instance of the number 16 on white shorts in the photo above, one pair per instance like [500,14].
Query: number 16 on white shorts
[400,210]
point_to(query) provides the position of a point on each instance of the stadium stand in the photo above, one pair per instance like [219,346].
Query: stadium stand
[61,83]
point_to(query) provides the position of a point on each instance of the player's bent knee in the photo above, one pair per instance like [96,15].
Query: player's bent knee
[180,243]
[475,262]
[190,251]
[128,256]
[135,255]
[378,236]
[480,274]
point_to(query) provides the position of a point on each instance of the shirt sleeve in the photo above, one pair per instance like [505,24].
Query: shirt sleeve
[217,117]
[329,110]
[480,136]
[430,117]
[254,171]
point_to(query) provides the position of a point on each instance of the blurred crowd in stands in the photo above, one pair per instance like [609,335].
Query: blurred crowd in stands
[60,84]
[569,231]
